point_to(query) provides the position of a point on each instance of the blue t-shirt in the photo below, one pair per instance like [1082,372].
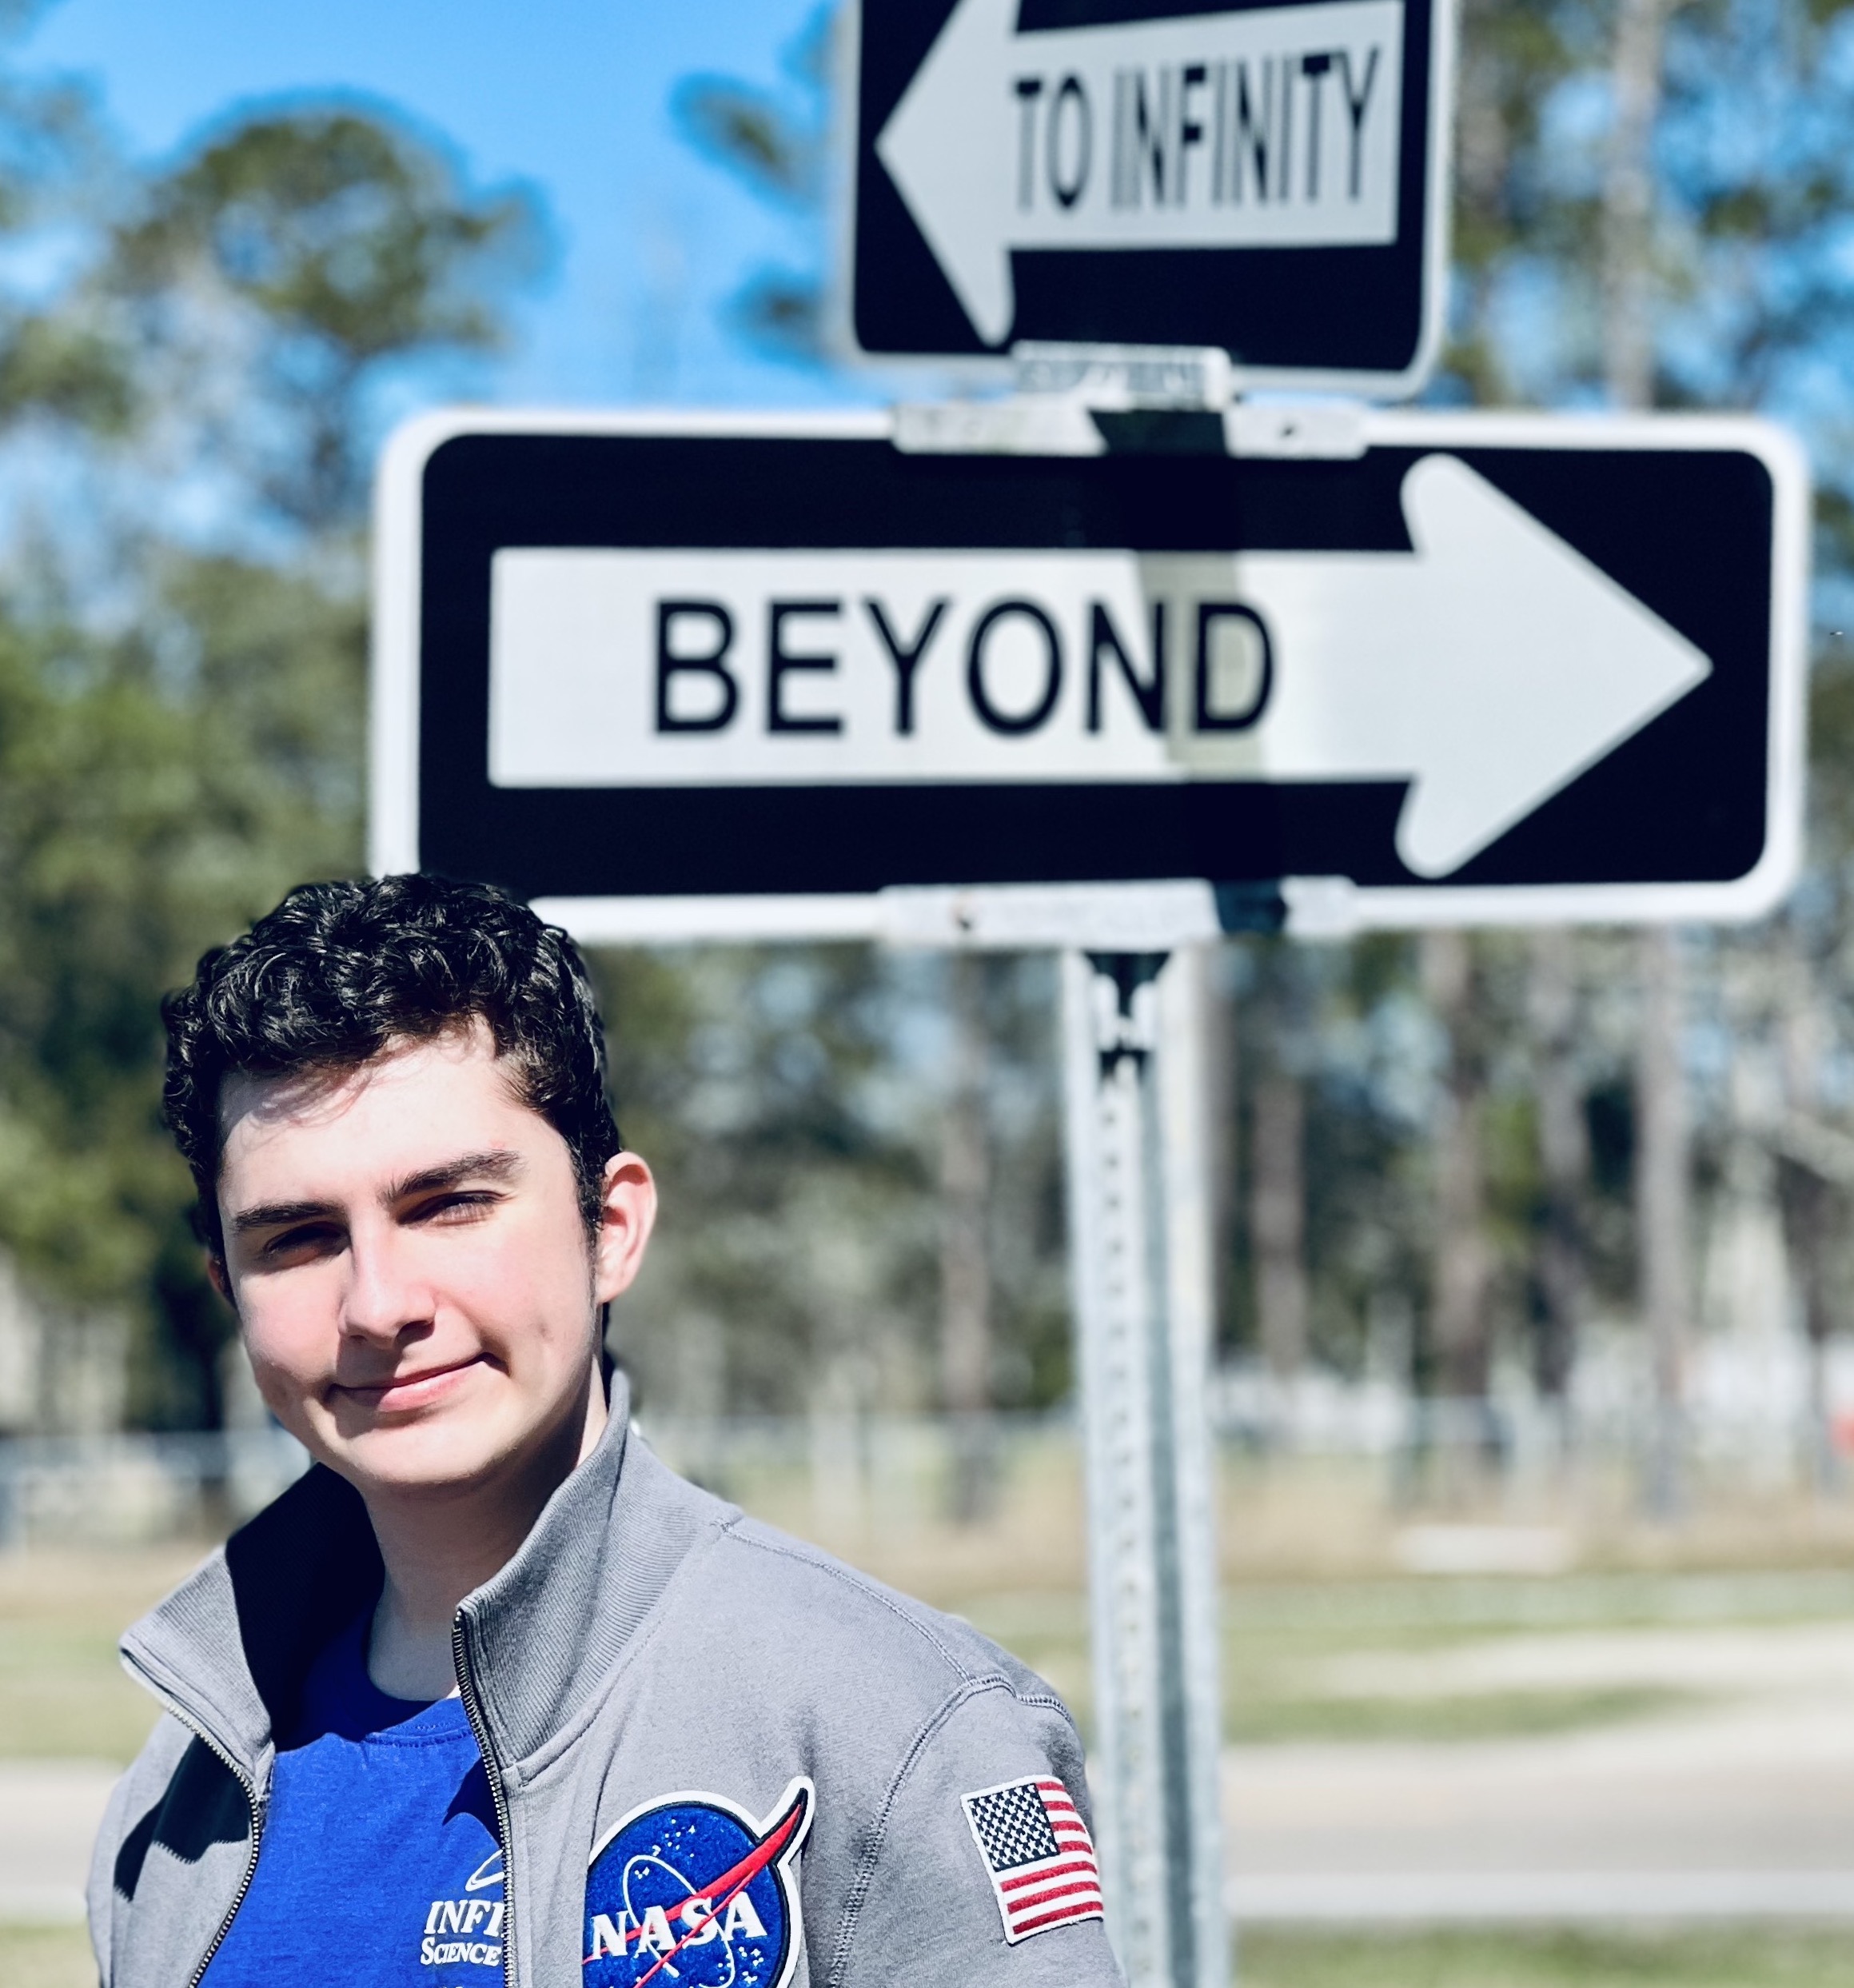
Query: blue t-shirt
[380,1866]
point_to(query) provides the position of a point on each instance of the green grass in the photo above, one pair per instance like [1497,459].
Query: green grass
[1265,1664]
[46,1957]
[63,1696]
[1482,1715]
[62,1691]
[1718,1958]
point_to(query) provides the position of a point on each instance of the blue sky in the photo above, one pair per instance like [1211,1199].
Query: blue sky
[571,96]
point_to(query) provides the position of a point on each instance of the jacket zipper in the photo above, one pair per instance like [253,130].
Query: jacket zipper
[250,1789]
[251,1802]
[473,1711]
[493,1772]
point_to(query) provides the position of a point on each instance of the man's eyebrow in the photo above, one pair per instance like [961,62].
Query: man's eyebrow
[497,1164]
[279,1214]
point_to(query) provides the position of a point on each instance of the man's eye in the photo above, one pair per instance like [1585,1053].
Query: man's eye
[456,1208]
[312,1239]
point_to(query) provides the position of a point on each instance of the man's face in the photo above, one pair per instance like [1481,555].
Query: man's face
[410,1266]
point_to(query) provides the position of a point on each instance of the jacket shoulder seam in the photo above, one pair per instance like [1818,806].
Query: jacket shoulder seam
[1048,1701]
[870,1591]
[878,1836]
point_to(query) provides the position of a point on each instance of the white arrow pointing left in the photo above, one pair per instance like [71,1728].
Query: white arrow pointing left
[1270,127]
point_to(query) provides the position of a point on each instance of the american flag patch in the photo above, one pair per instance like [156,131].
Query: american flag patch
[1037,1855]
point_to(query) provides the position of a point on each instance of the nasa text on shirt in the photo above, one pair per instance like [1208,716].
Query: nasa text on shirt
[690,1886]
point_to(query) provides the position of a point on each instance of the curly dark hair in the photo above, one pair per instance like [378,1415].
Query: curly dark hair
[340,971]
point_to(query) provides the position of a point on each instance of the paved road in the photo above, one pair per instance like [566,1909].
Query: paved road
[49,1814]
[1743,1808]
[1742,1816]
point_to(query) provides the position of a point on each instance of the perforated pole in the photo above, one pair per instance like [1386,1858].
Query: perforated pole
[1139,1256]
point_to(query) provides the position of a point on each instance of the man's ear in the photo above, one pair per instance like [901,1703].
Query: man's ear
[627,1215]
[216,1276]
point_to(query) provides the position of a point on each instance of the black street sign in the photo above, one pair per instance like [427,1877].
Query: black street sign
[1271,180]
[1493,668]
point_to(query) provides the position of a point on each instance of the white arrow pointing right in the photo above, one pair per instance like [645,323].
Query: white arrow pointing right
[1488,667]
[1492,668]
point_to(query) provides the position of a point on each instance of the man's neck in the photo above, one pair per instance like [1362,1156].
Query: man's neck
[437,1550]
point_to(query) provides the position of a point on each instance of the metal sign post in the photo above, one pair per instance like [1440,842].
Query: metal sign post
[1139,1257]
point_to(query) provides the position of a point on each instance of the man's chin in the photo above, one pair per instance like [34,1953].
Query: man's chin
[481,1438]
[425,1458]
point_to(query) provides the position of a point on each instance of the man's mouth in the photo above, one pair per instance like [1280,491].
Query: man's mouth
[413,1390]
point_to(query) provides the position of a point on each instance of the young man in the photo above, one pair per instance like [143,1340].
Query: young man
[490,1695]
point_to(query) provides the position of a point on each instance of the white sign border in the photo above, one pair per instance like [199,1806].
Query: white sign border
[1135,916]
[994,368]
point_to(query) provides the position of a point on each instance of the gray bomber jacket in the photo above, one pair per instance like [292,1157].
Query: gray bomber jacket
[646,1641]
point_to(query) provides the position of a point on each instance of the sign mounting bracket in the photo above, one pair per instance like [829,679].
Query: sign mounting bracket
[1114,377]
[1087,399]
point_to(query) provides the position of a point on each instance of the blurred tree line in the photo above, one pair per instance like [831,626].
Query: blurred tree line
[1439,1154]
[1502,1148]
[1455,1158]
[189,403]
[189,412]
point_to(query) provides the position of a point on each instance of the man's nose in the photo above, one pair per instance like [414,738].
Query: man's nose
[385,1293]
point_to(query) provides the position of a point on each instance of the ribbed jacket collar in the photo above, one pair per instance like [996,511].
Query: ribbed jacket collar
[229,1648]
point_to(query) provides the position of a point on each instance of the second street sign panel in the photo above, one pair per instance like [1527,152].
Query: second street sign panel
[1270,180]
[1488,669]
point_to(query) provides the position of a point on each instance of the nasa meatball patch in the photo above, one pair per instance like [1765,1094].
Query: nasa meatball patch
[690,1891]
